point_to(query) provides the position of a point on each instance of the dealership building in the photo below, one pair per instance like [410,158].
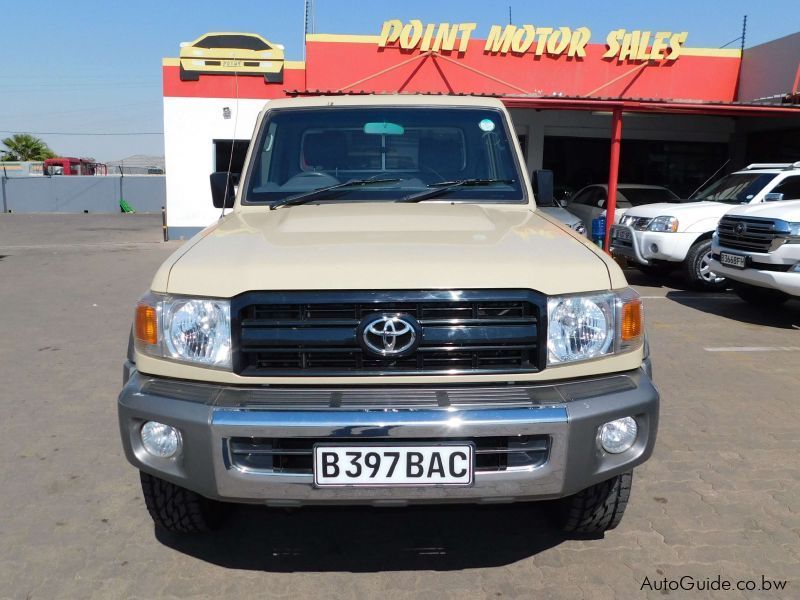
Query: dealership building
[674,114]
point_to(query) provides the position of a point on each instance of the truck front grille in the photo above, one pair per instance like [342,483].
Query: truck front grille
[318,333]
[747,233]
[295,455]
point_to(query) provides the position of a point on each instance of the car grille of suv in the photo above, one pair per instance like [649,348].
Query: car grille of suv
[317,333]
[638,223]
[750,234]
[295,455]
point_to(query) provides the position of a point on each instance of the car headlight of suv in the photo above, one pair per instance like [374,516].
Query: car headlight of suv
[191,330]
[665,224]
[589,326]
[794,232]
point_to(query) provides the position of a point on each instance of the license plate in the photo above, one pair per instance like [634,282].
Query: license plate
[732,260]
[371,465]
[232,63]
[621,234]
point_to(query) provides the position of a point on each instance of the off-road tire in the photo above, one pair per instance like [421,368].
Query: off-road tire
[759,296]
[694,264]
[177,509]
[596,509]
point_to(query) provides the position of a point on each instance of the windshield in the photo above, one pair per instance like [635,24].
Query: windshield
[398,151]
[642,195]
[737,188]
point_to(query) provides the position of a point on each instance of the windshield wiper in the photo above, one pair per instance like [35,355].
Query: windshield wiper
[442,187]
[324,191]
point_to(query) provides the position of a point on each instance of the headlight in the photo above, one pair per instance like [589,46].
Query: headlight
[198,331]
[794,229]
[668,224]
[587,326]
[190,330]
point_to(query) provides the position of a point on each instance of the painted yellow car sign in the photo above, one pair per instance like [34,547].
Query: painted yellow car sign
[219,53]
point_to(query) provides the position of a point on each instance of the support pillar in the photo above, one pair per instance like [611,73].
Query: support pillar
[613,173]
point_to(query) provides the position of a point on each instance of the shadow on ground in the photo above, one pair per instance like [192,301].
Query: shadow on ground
[722,303]
[785,316]
[672,281]
[363,539]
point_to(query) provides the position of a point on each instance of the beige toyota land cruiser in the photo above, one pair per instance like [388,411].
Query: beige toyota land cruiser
[383,317]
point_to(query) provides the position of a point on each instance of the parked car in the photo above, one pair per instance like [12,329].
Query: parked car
[757,247]
[565,217]
[664,237]
[548,202]
[590,202]
[219,53]
[384,318]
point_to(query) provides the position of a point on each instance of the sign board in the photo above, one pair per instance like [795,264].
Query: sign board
[622,45]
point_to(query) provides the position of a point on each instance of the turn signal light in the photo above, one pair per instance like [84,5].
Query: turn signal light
[146,329]
[632,323]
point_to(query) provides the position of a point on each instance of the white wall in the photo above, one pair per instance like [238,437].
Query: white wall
[190,127]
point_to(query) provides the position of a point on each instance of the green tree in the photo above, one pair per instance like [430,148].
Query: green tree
[23,146]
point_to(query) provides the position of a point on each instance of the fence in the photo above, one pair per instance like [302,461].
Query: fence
[77,194]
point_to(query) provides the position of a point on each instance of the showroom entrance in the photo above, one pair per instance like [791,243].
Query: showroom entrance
[680,166]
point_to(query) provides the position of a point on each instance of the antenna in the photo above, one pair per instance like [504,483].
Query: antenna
[308,22]
[741,37]
[233,140]
[702,185]
[509,14]
[744,30]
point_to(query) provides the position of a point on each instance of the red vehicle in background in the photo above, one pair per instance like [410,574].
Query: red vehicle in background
[74,166]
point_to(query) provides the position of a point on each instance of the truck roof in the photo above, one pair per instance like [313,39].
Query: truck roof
[770,167]
[385,100]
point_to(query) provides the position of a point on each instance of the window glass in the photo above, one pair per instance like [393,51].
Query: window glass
[244,42]
[585,197]
[789,187]
[737,188]
[300,150]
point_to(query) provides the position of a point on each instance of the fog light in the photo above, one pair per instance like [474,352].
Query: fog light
[654,248]
[160,440]
[618,436]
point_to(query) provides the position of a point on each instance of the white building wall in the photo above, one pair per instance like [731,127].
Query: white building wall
[190,127]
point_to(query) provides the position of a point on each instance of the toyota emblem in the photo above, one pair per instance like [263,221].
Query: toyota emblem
[740,228]
[389,335]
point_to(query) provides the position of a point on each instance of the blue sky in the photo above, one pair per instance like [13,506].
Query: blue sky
[84,66]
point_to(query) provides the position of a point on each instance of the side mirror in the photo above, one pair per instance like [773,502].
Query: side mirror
[222,188]
[773,197]
[543,187]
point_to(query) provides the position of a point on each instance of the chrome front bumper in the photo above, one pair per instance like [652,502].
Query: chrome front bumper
[568,414]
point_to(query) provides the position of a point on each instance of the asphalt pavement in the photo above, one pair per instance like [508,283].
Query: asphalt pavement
[719,498]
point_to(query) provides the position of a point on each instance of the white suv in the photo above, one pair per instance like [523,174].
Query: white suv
[758,249]
[658,238]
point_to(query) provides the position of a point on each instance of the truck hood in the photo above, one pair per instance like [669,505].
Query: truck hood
[788,210]
[687,210]
[385,246]
[689,214]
